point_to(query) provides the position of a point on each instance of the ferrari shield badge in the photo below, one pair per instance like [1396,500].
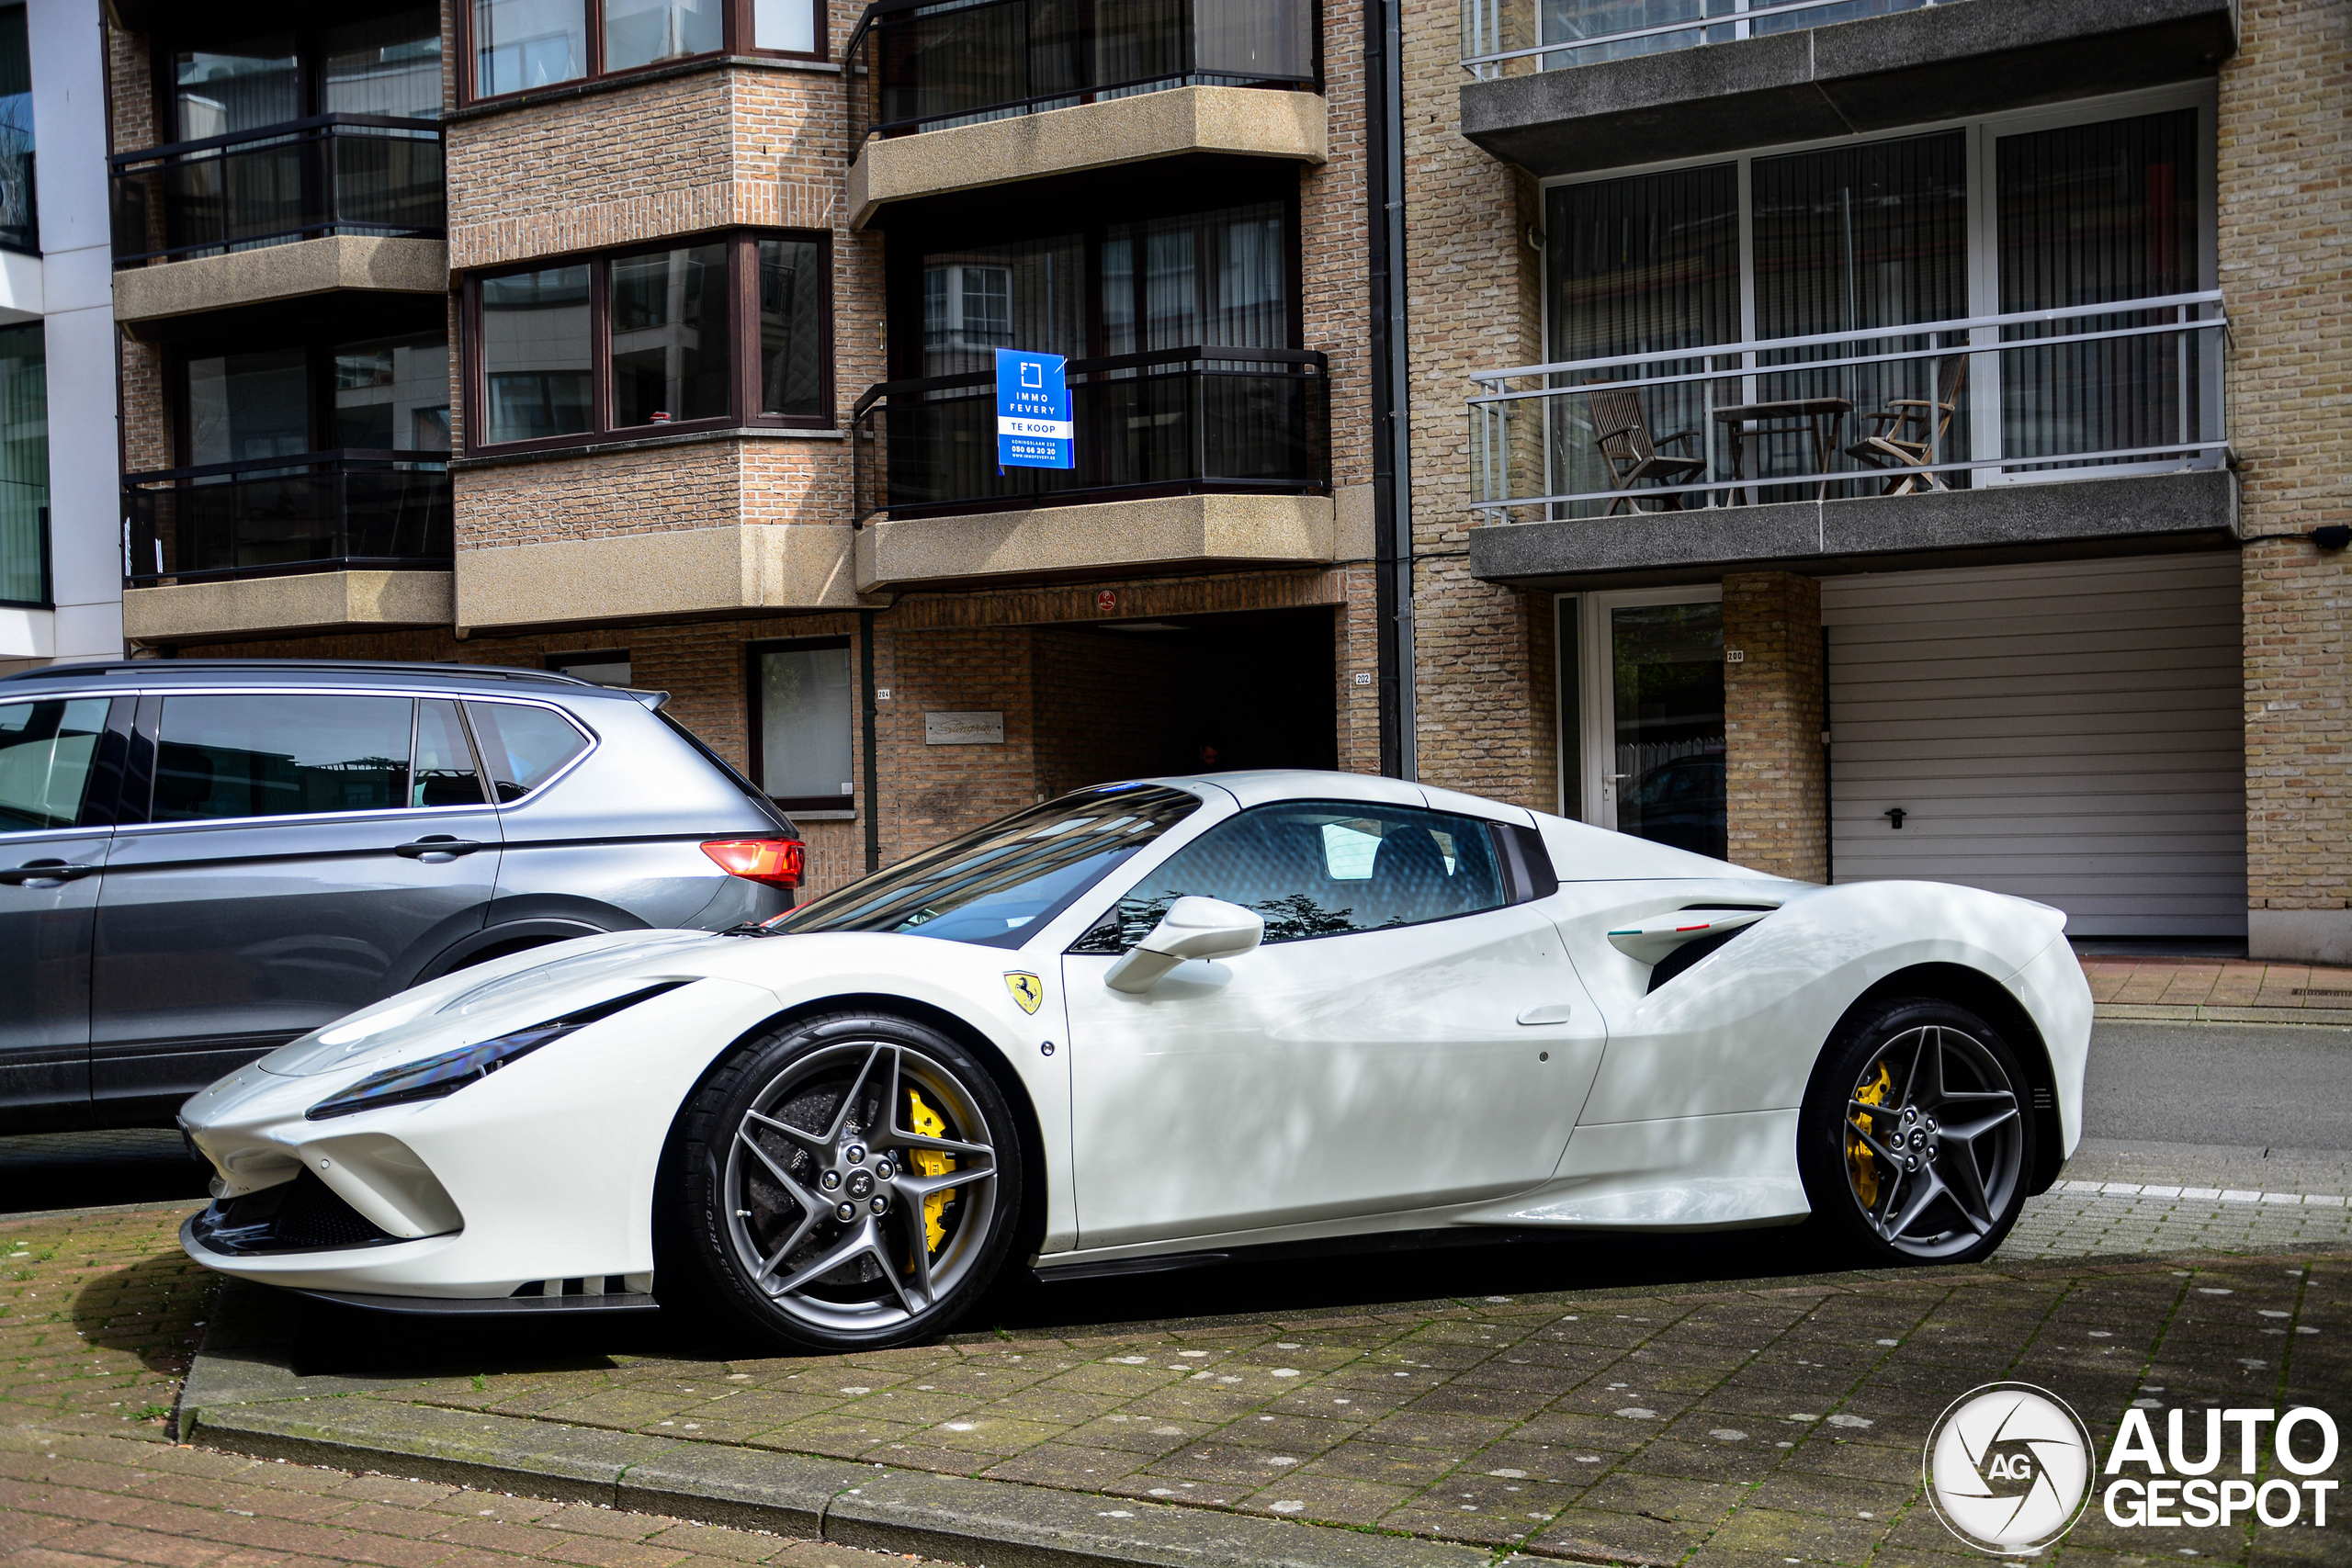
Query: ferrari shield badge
[1026,988]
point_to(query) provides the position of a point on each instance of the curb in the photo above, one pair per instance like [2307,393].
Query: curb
[2160,1012]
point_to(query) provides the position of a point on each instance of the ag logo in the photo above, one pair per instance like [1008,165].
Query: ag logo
[1027,990]
[2009,1468]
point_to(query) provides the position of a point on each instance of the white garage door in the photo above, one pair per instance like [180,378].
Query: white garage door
[2070,732]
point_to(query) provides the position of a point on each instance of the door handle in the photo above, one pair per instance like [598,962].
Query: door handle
[439,844]
[46,871]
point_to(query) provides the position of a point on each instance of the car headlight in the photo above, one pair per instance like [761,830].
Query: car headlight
[437,1077]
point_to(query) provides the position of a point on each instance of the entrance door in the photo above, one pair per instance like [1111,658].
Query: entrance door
[1645,671]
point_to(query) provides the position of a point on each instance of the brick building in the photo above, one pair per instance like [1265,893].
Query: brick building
[1973,503]
[653,340]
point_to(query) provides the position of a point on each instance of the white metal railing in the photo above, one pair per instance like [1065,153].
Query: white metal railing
[2043,395]
[1554,36]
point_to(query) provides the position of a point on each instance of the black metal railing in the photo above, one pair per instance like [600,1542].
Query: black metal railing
[20,195]
[315,511]
[1169,422]
[927,66]
[337,174]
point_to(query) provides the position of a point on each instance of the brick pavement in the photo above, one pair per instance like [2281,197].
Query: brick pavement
[1718,1424]
[2232,989]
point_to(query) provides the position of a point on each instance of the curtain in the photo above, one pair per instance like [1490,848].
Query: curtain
[1029,294]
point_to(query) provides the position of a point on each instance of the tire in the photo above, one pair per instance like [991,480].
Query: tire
[1941,1174]
[790,1130]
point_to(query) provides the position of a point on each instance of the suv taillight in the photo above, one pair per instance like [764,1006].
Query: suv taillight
[776,862]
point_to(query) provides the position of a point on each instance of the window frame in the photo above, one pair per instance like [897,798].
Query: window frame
[797,805]
[736,30]
[742,287]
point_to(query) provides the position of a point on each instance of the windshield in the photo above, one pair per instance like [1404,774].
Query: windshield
[988,886]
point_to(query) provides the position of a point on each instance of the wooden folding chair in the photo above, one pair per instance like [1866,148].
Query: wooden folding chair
[1909,433]
[1621,431]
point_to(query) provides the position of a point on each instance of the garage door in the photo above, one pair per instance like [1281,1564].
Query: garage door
[2070,732]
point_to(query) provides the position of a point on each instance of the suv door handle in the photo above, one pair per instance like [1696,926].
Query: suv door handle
[439,844]
[46,871]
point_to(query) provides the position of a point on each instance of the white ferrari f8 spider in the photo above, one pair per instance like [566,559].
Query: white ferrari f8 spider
[1152,1023]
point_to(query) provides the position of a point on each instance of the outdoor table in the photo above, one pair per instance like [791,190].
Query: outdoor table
[1821,415]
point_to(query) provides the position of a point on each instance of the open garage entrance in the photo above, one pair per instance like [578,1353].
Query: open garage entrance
[1128,699]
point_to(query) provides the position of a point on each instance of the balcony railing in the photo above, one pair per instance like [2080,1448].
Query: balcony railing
[339,174]
[1510,37]
[315,512]
[928,66]
[2118,386]
[19,197]
[1169,422]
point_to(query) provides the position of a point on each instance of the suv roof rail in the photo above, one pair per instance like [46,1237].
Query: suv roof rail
[278,666]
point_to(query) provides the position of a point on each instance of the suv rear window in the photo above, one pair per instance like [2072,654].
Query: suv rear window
[523,747]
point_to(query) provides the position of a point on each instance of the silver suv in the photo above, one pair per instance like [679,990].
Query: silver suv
[201,860]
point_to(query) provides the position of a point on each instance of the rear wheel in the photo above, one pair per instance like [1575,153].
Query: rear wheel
[846,1182]
[1913,1140]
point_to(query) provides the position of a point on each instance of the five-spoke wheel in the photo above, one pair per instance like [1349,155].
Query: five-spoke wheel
[1916,1137]
[849,1180]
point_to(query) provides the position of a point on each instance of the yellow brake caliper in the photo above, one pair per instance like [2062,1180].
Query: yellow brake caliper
[1858,1157]
[931,1162]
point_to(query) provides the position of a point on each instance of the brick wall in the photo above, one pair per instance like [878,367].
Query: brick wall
[1776,768]
[2284,157]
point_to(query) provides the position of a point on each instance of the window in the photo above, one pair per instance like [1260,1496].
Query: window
[1324,868]
[392,394]
[23,465]
[523,746]
[989,887]
[388,65]
[519,45]
[720,333]
[281,756]
[19,229]
[46,750]
[801,728]
[442,770]
[337,388]
[605,666]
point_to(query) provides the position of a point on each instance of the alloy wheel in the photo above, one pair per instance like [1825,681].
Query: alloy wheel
[1934,1141]
[861,1185]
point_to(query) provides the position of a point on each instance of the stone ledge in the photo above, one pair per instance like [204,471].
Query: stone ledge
[1169,531]
[2167,1012]
[281,272]
[312,601]
[1252,122]
[671,572]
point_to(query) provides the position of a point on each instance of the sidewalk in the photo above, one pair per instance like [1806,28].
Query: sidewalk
[2219,991]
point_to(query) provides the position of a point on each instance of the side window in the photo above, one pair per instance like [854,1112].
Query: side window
[801,721]
[232,756]
[1323,868]
[523,747]
[46,750]
[443,771]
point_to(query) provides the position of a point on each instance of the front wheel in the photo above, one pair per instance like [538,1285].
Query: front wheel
[846,1182]
[1914,1139]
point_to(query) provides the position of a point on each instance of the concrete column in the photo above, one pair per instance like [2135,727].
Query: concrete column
[1777,775]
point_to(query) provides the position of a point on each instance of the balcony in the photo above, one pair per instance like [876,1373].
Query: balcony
[1184,456]
[1016,89]
[313,540]
[335,175]
[1563,86]
[2080,427]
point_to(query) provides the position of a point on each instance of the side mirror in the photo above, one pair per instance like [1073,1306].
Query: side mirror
[1192,928]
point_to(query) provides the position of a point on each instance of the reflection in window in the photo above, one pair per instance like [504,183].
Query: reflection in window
[1667,668]
[1324,868]
[522,745]
[536,353]
[238,86]
[18,226]
[280,756]
[24,462]
[442,772]
[387,65]
[638,32]
[805,728]
[520,44]
[992,885]
[669,331]
[392,394]
[45,754]
[241,407]
[1029,294]
[792,303]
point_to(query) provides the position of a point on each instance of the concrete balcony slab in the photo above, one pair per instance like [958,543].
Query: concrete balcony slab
[310,601]
[1248,122]
[281,272]
[667,573]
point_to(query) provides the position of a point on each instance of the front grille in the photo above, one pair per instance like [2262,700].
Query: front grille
[301,1215]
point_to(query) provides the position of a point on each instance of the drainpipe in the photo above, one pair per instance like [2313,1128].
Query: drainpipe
[1392,493]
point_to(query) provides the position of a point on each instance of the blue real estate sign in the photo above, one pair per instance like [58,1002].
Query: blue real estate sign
[1033,424]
